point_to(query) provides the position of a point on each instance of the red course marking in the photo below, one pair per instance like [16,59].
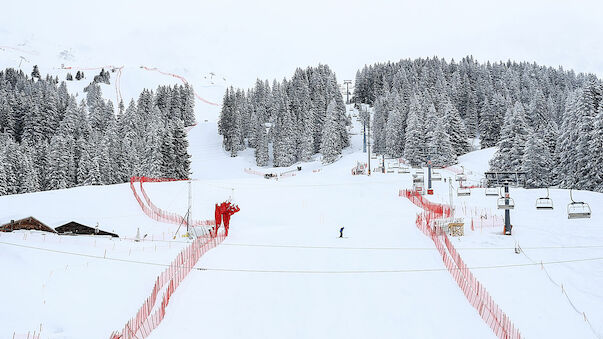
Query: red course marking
[155,69]
[118,69]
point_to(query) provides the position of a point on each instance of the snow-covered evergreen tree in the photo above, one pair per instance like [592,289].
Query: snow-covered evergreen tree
[285,143]
[330,145]
[512,142]
[394,133]
[455,127]
[58,163]
[3,177]
[536,162]
[441,152]
[596,156]
[181,164]
[261,151]
[415,145]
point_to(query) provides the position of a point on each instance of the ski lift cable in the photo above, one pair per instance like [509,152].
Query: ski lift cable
[31,52]
[582,313]
[257,185]
[394,270]
[385,248]
[432,269]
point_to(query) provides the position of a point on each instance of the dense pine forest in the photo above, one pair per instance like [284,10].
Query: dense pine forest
[546,122]
[49,140]
[298,118]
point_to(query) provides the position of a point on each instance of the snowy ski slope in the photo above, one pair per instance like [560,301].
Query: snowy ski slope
[283,271]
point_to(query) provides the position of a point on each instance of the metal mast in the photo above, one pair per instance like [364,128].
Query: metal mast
[190,207]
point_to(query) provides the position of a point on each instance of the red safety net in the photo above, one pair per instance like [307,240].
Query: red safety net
[181,78]
[254,172]
[116,69]
[150,314]
[474,291]
[28,335]
[157,213]
[454,169]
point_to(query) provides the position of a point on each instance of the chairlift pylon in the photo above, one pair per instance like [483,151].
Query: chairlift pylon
[577,209]
[545,203]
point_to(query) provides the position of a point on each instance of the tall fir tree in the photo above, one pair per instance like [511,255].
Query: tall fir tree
[415,144]
[513,139]
[455,127]
[182,163]
[441,152]
[536,162]
[330,145]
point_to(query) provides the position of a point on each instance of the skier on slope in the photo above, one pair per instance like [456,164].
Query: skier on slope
[341,232]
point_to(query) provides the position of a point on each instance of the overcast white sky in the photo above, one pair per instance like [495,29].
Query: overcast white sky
[248,39]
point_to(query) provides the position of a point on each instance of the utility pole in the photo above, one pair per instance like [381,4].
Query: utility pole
[450,190]
[347,91]
[190,205]
[363,135]
[429,189]
[368,130]
[364,116]
[508,225]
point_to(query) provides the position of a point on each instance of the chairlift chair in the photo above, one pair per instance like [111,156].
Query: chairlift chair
[577,209]
[390,170]
[419,188]
[463,191]
[492,191]
[417,178]
[506,203]
[545,203]
[403,170]
[435,176]
[461,177]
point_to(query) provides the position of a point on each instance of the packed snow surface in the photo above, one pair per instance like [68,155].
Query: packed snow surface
[283,271]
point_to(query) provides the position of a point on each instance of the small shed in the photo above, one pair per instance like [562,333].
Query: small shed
[29,223]
[76,228]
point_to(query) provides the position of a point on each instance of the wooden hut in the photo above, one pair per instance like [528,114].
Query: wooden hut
[29,223]
[76,228]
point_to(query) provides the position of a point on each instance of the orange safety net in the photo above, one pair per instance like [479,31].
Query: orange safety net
[150,314]
[181,78]
[474,291]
